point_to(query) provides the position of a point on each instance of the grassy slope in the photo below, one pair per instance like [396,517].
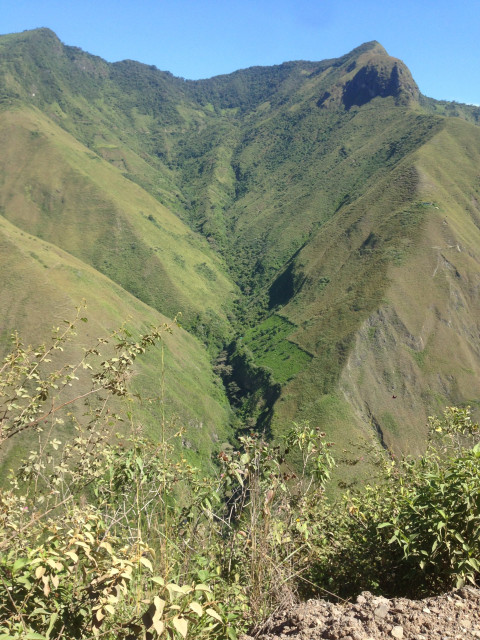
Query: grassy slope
[401,289]
[348,187]
[295,160]
[297,166]
[41,285]
[342,276]
[422,345]
[55,188]
[303,179]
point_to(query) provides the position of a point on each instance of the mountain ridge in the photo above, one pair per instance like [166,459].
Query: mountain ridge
[281,220]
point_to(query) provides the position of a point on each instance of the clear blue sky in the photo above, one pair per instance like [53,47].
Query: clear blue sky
[439,40]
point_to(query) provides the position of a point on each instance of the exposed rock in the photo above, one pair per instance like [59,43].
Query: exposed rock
[387,77]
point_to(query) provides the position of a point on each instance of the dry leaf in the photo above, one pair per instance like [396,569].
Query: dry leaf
[213,614]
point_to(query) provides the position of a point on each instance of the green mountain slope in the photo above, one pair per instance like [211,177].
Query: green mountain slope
[55,188]
[316,223]
[388,298]
[42,284]
[421,345]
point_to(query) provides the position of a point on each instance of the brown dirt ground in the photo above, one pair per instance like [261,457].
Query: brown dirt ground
[452,616]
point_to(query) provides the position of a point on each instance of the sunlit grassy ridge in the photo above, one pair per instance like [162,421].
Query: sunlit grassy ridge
[401,324]
[56,189]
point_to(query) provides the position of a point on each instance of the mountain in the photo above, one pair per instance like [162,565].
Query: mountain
[316,223]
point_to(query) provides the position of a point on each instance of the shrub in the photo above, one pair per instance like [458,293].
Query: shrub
[417,530]
[117,536]
[73,558]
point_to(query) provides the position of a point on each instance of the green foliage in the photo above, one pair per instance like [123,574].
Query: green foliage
[73,561]
[251,388]
[416,530]
[114,539]
[267,545]
[80,580]
[118,536]
[114,536]
[270,347]
[316,457]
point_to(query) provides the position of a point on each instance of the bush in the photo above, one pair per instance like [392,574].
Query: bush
[116,536]
[73,558]
[417,530]
[113,535]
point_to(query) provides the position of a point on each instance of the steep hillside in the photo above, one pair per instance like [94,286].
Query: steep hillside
[56,189]
[421,344]
[316,223]
[42,284]
[388,295]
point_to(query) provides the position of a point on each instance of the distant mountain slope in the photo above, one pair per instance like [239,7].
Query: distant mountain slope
[56,189]
[422,344]
[316,223]
[42,284]
[395,276]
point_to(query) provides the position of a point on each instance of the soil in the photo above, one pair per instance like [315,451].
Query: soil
[452,616]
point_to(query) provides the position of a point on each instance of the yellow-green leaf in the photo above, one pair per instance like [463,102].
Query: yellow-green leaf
[159,626]
[53,620]
[146,563]
[159,606]
[181,625]
[186,589]
[107,546]
[197,608]
[213,614]
[19,564]
[39,572]
[72,555]
[46,586]
[174,588]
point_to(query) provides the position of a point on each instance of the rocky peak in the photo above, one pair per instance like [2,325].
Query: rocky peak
[380,77]
[369,72]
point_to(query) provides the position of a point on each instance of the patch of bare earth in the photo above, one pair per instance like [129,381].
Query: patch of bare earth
[452,616]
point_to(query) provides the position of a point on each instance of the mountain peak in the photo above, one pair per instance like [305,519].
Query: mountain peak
[369,72]
[380,77]
[42,33]
[369,47]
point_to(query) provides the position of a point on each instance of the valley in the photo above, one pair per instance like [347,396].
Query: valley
[316,225]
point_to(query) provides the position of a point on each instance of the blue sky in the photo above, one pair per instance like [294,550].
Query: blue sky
[439,40]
